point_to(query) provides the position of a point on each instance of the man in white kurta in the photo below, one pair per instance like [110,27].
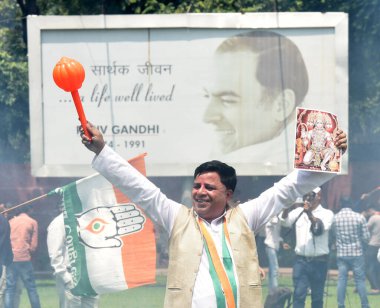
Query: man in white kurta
[210,204]
[59,260]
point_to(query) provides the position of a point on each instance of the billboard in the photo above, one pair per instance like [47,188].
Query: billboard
[185,88]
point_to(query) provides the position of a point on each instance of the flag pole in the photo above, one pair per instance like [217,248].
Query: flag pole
[56,191]
[27,202]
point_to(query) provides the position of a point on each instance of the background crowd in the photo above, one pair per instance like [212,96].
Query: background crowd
[309,238]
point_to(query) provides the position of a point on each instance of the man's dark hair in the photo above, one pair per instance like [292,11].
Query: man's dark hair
[227,173]
[347,202]
[280,63]
[310,196]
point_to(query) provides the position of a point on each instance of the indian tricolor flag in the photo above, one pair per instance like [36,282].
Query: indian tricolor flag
[110,241]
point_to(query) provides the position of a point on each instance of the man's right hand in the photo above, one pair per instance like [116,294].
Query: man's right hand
[69,285]
[306,206]
[285,213]
[96,143]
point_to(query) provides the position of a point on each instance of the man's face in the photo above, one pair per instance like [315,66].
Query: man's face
[312,199]
[238,106]
[210,196]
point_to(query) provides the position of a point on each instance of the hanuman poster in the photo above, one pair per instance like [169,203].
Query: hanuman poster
[314,147]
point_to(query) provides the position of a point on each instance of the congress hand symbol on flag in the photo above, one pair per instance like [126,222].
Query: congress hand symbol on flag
[101,227]
[111,243]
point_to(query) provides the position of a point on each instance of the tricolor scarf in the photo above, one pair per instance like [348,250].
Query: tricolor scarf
[221,271]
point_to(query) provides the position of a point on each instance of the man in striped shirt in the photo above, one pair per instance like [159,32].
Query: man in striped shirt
[351,233]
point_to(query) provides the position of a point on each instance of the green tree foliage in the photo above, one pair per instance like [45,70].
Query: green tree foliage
[364,72]
[364,58]
[14,124]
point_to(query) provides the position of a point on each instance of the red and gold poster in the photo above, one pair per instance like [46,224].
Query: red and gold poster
[314,146]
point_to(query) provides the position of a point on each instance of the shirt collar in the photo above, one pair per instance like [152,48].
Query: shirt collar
[346,209]
[215,221]
[318,208]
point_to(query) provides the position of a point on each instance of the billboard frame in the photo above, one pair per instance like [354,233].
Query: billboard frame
[37,25]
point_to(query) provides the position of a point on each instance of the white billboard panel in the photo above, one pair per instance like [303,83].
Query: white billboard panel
[185,88]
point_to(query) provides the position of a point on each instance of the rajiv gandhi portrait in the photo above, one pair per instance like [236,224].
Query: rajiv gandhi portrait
[259,78]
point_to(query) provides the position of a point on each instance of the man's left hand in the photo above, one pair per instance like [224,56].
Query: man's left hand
[340,140]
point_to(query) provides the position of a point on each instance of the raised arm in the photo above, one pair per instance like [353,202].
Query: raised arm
[132,183]
[283,194]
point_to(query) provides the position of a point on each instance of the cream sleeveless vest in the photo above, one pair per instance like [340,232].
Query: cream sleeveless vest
[185,251]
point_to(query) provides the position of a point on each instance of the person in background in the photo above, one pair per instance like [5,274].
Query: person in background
[373,267]
[371,202]
[6,254]
[351,236]
[24,240]
[59,260]
[259,240]
[312,224]
[212,252]
[272,245]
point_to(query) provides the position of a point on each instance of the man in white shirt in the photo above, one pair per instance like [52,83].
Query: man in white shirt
[312,224]
[56,243]
[6,254]
[272,244]
[213,259]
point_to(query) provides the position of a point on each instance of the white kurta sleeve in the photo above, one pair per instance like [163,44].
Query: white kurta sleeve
[137,187]
[281,195]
